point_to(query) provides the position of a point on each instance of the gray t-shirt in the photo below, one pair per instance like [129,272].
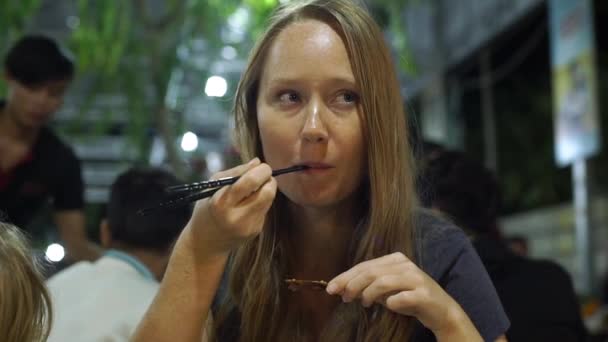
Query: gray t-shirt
[446,254]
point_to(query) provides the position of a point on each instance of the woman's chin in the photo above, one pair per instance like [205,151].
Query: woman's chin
[313,200]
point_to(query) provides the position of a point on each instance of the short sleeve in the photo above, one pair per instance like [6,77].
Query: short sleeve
[68,190]
[449,257]
[467,281]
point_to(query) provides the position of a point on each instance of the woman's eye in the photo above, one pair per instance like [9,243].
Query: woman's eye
[348,97]
[289,97]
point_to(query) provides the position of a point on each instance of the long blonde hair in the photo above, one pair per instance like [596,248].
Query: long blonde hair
[25,305]
[256,286]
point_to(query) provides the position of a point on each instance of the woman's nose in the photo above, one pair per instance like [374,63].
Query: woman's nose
[314,129]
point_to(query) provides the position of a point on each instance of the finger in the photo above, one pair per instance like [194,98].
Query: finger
[231,195]
[250,218]
[404,302]
[268,193]
[383,287]
[237,170]
[357,285]
[221,199]
[262,199]
[249,183]
[337,284]
[258,206]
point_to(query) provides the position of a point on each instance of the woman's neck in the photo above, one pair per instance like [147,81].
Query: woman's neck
[321,238]
[155,261]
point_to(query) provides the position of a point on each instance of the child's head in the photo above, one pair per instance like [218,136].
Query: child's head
[25,306]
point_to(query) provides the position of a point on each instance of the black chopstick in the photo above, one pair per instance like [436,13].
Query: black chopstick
[225,181]
[215,185]
[180,201]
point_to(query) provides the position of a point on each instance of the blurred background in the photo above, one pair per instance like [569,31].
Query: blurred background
[155,80]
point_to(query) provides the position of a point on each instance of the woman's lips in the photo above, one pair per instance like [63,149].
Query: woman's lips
[39,116]
[314,167]
[317,165]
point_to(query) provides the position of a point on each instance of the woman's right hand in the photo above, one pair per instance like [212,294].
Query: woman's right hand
[236,212]
[218,224]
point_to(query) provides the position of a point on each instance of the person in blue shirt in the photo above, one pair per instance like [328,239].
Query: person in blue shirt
[104,300]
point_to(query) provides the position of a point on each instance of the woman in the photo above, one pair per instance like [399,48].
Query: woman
[25,306]
[320,90]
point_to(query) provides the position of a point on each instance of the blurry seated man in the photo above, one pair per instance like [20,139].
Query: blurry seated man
[104,300]
[538,296]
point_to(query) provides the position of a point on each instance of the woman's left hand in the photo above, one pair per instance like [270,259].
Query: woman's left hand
[397,283]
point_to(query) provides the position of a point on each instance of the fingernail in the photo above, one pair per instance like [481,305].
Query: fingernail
[346,299]
[331,288]
[254,160]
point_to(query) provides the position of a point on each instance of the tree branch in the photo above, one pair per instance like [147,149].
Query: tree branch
[174,14]
[143,14]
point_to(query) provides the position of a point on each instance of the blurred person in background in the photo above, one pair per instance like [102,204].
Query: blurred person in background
[25,306]
[104,300]
[597,319]
[518,245]
[35,165]
[538,296]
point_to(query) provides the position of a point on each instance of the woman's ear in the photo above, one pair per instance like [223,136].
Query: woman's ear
[105,234]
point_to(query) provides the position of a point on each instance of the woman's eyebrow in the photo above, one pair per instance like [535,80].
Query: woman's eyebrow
[287,81]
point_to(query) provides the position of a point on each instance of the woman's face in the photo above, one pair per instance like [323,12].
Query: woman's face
[308,113]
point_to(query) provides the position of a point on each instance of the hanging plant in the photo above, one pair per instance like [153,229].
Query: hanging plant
[14,17]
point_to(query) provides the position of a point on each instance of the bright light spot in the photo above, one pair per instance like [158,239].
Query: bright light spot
[183,52]
[238,22]
[198,44]
[216,86]
[189,142]
[239,19]
[228,52]
[55,252]
[72,22]
[215,162]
